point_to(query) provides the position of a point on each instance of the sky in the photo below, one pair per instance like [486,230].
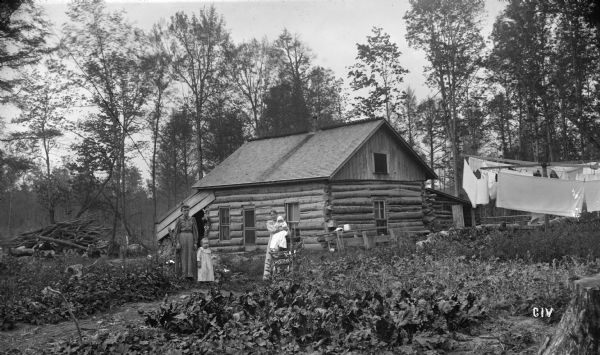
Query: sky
[330,28]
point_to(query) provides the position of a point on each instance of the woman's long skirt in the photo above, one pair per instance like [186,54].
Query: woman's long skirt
[267,266]
[188,255]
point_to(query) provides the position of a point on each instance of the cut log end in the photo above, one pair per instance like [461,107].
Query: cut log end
[579,329]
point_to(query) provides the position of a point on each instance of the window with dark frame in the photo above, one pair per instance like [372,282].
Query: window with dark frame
[380,160]
[380,217]
[224,223]
[292,212]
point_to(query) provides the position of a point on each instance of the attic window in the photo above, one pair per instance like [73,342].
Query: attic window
[380,160]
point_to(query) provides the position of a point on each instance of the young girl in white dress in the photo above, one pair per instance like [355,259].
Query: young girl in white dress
[205,263]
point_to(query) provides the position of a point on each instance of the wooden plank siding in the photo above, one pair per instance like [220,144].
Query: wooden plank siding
[401,166]
[310,197]
[196,201]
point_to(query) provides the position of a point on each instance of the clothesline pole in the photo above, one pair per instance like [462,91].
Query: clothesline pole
[546,217]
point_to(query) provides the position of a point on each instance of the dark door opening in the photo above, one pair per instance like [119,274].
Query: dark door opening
[200,223]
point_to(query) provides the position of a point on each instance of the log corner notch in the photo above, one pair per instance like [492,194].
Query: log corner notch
[579,329]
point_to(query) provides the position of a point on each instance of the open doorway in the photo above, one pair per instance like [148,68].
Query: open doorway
[201,223]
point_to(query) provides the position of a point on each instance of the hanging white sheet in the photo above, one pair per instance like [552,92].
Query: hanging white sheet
[592,195]
[587,177]
[470,184]
[483,195]
[567,172]
[491,180]
[540,195]
[476,163]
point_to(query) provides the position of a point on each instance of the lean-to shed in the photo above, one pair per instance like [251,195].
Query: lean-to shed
[360,173]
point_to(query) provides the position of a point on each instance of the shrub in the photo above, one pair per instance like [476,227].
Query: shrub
[578,240]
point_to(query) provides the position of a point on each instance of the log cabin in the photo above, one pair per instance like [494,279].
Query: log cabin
[361,173]
[438,210]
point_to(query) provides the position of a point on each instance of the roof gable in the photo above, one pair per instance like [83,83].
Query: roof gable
[400,165]
[306,156]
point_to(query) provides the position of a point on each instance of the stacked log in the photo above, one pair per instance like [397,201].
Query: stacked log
[429,215]
[76,234]
[441,211]
[352,203]
[310,197]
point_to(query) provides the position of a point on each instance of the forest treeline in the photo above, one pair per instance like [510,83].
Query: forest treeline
[177,99]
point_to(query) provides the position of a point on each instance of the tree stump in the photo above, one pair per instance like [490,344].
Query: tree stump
[579,329]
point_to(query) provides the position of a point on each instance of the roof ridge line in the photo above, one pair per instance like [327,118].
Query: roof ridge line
[285,157]
[324,128]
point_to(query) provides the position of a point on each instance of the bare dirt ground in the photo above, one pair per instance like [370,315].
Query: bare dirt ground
[505,335]
[32,339]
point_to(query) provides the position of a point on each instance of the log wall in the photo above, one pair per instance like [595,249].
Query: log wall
[311,198]
[352,203]
[438,210]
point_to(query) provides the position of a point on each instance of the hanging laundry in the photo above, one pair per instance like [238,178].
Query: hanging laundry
[517,172]
[476,163]
[469,184]
[494,191]
[492,178]
[592,195]
[540,195]
[483,195]
[567,172]
[590,171]
[587,177]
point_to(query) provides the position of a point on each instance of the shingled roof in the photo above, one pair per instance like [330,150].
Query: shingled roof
[306,156]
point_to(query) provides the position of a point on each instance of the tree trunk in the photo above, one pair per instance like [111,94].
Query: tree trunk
[431,161]
[123,188]
[579,329]
[9,226]
[156,125]
[51,215]
[199,133]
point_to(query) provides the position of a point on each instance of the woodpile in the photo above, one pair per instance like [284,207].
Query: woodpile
[80,234]
[429,210]
[437,212]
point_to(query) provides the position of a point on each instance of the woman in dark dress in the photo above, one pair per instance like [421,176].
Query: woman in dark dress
[186,243]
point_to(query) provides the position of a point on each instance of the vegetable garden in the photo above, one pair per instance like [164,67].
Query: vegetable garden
[471,291]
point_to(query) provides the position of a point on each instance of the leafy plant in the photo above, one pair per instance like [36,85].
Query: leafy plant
[101,287]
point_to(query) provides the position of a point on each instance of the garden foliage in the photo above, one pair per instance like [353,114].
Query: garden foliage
[101,286]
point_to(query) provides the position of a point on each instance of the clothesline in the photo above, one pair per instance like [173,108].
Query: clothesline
[509,166]
[516,186]
[591,164]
